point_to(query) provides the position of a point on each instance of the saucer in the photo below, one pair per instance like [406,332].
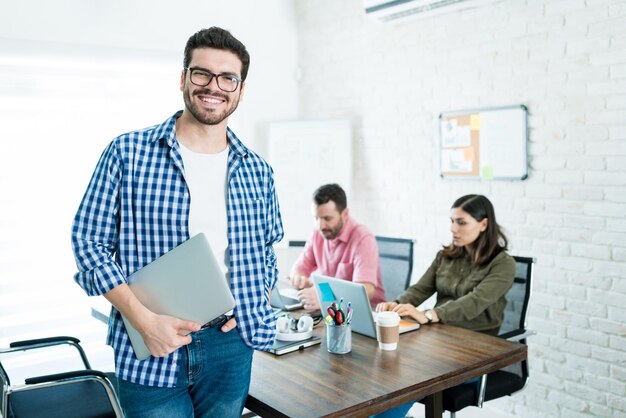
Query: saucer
[294,335]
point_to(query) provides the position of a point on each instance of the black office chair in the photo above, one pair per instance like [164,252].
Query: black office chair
[84,393]
[396,264]
[503,382]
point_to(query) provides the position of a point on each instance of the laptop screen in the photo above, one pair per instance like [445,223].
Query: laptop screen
[330,289]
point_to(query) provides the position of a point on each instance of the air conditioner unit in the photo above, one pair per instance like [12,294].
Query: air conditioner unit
[389,10]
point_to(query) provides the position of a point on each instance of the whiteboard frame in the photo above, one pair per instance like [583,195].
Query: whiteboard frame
[520,137]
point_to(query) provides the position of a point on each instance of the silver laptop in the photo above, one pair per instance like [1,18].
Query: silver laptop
[186,282]
[330,289]
[285,299]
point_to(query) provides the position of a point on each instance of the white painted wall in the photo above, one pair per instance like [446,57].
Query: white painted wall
[566,60]
[74,74]
[120,30]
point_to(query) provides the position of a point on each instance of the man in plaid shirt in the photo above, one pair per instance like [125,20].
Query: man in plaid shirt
[154,188]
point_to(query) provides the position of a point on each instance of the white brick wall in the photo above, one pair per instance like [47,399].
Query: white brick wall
[566,60]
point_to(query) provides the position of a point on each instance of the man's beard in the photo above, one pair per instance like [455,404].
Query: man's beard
[206,116]
[334,232]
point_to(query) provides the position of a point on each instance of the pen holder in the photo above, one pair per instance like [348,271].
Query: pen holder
[338,338]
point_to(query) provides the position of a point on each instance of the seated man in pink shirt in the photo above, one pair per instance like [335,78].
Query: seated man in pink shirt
[339,247]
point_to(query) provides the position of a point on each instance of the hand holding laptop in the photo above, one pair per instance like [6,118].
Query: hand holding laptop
[186,282]
[162,334]
[165,334]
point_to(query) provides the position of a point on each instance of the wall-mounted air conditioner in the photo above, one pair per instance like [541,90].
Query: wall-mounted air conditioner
[389,10]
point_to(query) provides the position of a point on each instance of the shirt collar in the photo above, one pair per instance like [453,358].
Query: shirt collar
[167,131]
[345,233]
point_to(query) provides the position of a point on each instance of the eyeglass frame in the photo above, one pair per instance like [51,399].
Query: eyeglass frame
[213,75]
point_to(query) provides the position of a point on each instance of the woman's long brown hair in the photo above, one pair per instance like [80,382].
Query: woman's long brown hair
[490,242]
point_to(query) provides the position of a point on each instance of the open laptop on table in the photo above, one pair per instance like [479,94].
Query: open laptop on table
[330,289]
[186,282]
[285,299]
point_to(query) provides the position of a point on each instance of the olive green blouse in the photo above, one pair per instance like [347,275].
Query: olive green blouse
[467,296]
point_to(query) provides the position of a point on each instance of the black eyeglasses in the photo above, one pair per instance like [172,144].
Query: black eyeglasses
[201,77]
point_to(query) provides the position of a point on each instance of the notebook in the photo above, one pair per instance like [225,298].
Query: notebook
[186,282]
[283,347]
[330,289]
[285,299]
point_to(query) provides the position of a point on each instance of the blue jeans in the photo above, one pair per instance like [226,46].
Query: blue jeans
[399,411]
[213,381]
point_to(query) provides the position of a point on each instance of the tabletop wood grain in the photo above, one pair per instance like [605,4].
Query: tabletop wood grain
[316,383]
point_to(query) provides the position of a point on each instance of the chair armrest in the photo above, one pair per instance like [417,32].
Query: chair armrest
[48,342]
[44,342]
[64,376]
[521,336]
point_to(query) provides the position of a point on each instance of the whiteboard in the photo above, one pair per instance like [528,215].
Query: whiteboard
[485,144]
[306,155]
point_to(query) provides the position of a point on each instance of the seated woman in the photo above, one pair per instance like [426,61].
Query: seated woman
[471,276]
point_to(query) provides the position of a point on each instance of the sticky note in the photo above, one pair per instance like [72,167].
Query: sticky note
[475,122]
[486,173]
[326,292]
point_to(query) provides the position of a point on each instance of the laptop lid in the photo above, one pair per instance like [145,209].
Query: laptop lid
[330,289]
[186,282]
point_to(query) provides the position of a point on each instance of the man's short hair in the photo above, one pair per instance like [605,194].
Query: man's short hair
[329,192]
[217,38]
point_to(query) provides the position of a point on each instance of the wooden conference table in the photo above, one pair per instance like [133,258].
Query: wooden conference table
[315,383]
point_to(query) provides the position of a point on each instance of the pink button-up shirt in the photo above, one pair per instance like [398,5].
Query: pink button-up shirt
[353,256]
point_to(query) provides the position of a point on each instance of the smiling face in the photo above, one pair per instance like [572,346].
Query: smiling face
[465,229]
[210,105]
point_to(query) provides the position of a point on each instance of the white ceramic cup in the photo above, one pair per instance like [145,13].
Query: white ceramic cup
[388,330]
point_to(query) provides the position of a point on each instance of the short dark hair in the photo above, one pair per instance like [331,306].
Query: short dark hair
[217,38]
[328,192]
[491,241]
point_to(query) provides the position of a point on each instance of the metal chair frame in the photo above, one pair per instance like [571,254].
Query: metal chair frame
[518,335]
[59,379]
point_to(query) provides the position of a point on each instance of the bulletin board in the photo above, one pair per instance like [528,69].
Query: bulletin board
[484,144]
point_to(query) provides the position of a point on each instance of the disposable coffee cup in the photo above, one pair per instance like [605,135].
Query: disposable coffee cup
[388,330]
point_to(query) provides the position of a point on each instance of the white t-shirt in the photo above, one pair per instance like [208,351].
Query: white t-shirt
[206,176]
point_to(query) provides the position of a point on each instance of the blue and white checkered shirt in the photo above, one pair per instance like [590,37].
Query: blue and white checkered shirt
[136,209]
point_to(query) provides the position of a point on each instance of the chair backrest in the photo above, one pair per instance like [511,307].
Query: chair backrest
[514,324]
[396,264]
[517,298]
[75,393]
